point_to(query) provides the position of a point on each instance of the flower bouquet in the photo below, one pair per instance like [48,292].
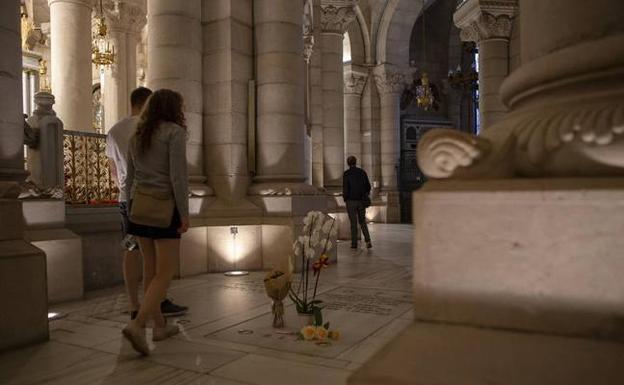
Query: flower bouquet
[312,247]
[277,286]
[319,332]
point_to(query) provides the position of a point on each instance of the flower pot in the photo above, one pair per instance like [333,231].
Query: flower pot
[305,319]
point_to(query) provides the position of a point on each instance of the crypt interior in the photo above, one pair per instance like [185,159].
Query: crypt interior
[492,133]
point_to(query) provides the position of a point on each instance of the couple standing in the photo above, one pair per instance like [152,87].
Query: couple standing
[147,152]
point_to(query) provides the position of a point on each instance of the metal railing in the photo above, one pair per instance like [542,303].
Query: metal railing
[88,178]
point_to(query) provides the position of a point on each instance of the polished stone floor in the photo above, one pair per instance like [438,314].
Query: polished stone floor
[227,336]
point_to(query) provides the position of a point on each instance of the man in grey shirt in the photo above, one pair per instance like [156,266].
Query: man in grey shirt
[117,143]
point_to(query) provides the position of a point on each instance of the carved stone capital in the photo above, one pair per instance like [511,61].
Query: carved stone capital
[389,81]
[354,83]
[127,17]
[336,15]
[485,19]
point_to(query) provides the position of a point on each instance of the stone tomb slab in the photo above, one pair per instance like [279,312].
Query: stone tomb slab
[355,312]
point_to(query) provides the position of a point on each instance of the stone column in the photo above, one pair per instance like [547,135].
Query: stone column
[335,17]
[316,98]
[489,25]
[280,76]
[22,266]
[70,33]
[124,26]
[228,68]
[308,49]
[390,83]
[354,83]
[174,54]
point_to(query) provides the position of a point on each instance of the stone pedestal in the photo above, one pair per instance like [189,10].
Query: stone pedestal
[441,354]
[45,161]
[70,32]
[45,221]
[539,255]
[22,287]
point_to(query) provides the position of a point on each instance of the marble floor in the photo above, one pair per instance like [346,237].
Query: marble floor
[227,336]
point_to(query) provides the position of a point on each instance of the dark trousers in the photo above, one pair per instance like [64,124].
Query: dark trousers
[356,212]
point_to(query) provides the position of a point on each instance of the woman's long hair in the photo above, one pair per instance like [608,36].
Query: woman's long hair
[162,106]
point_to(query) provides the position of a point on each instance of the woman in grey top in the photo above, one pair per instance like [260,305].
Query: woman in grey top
[157,161]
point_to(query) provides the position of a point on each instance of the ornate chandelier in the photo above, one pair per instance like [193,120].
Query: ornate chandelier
[102,50]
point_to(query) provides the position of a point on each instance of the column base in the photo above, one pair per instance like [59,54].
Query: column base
[24,318]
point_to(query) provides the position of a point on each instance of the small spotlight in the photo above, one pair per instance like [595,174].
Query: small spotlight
[54,316]
[236,273]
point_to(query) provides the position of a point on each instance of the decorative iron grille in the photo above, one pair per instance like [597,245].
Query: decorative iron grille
[88,178]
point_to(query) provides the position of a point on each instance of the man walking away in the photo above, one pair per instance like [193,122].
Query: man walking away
[355,192]
[117,142]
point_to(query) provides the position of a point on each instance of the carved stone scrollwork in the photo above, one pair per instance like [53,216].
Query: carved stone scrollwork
[354,83]
[336,15]
[582,140]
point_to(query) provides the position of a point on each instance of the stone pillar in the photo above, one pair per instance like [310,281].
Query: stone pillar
[354,83]
[335,17]
[308,49]
[489,25]
[70,33]
[22,266]
[280,76]
[316,98]
[390,84]
[228,68]
[174,54]
[124,26]
[370,128]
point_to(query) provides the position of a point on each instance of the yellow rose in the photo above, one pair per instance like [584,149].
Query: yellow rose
[308,332]
[334,334]
[321,333]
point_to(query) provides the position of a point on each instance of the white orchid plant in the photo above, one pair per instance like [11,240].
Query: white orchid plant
[319,229]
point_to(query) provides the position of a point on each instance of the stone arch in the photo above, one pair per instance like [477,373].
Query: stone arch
[395,30]
[359,37]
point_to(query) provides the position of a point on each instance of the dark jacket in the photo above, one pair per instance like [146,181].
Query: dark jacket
[355,184]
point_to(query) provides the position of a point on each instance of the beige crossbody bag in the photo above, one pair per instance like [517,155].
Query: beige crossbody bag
[151,208]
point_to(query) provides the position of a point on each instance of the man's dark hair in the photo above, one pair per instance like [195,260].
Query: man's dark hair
[351,161]
[139,96]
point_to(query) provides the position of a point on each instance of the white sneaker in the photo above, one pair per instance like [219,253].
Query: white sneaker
[160,334]
[136,336]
